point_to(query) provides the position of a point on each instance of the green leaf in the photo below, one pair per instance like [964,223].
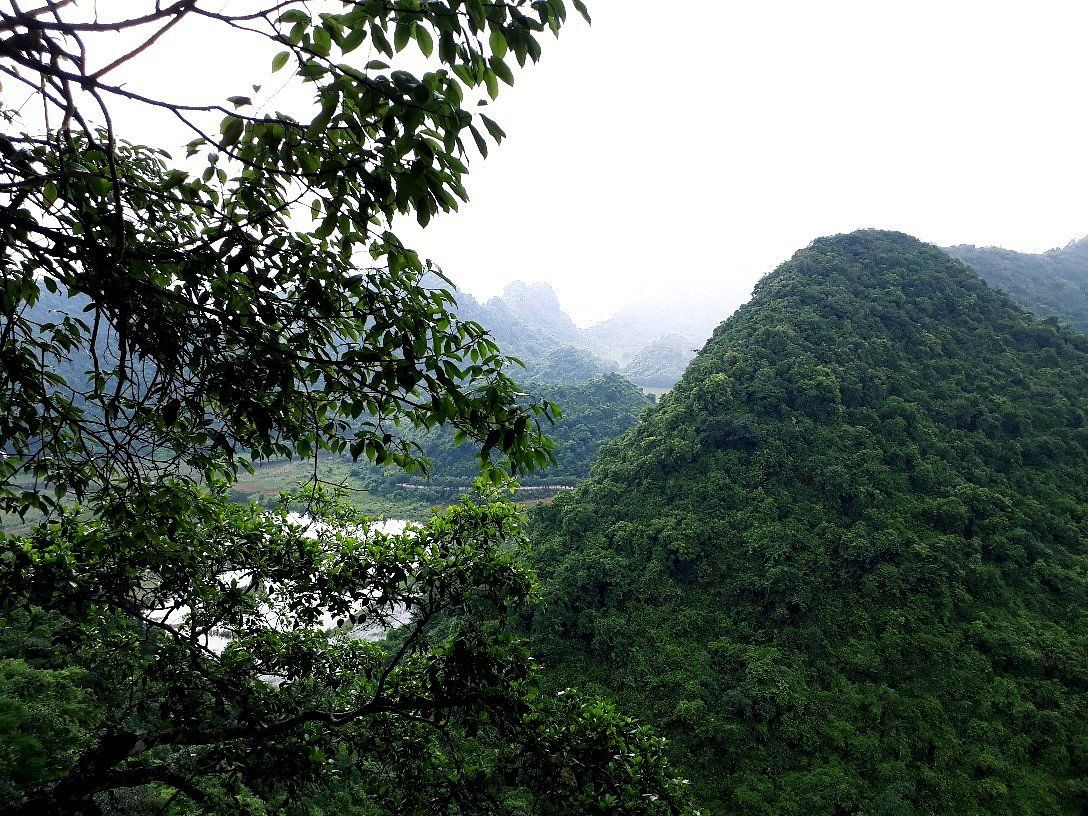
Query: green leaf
[312,69]
[476,13]
[424,40]
[231,128]
[463,73]
[353,40]
[322,41]
[497,133]
[481,143]
[402,34]
[498,43]
[295,16]
[174,178]
[280,60]
[381,42]
[502,70]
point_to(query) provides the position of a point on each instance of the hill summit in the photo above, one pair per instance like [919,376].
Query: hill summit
[843,564]
[537,305]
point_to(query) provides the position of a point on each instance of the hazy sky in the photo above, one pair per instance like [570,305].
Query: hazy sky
[697,145]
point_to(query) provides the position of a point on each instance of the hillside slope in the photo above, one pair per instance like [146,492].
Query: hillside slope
[843,564]
[1050,284]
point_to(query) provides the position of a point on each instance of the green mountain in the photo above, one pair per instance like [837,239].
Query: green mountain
[843,564]
[569,364]
[528,323]
[1050,284]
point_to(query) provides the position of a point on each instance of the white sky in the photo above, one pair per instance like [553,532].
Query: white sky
[700,144]
[693,146]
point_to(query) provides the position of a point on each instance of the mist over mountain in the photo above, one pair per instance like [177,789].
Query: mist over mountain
[662,362]
[692,315]
[843,563]
[652,340]
[1050,284]
[537,306]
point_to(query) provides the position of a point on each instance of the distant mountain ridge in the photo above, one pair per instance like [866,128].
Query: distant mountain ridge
[1049,284]
[651,341]
[661,363]
[692,316]
[537,305]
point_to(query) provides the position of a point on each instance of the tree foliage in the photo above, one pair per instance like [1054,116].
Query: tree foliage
[241,657]
[167,651]
[226,329]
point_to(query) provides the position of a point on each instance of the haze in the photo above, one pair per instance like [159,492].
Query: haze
[678,148]
[697,150]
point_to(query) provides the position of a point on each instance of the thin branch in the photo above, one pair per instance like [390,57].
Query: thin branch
[186,6]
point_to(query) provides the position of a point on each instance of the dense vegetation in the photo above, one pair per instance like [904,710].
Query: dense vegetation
[594,412]
[843,563]
[1051,284]
[597,407]
[568,364]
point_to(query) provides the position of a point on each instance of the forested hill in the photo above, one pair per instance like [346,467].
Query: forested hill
[843,564]
[1050,284]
